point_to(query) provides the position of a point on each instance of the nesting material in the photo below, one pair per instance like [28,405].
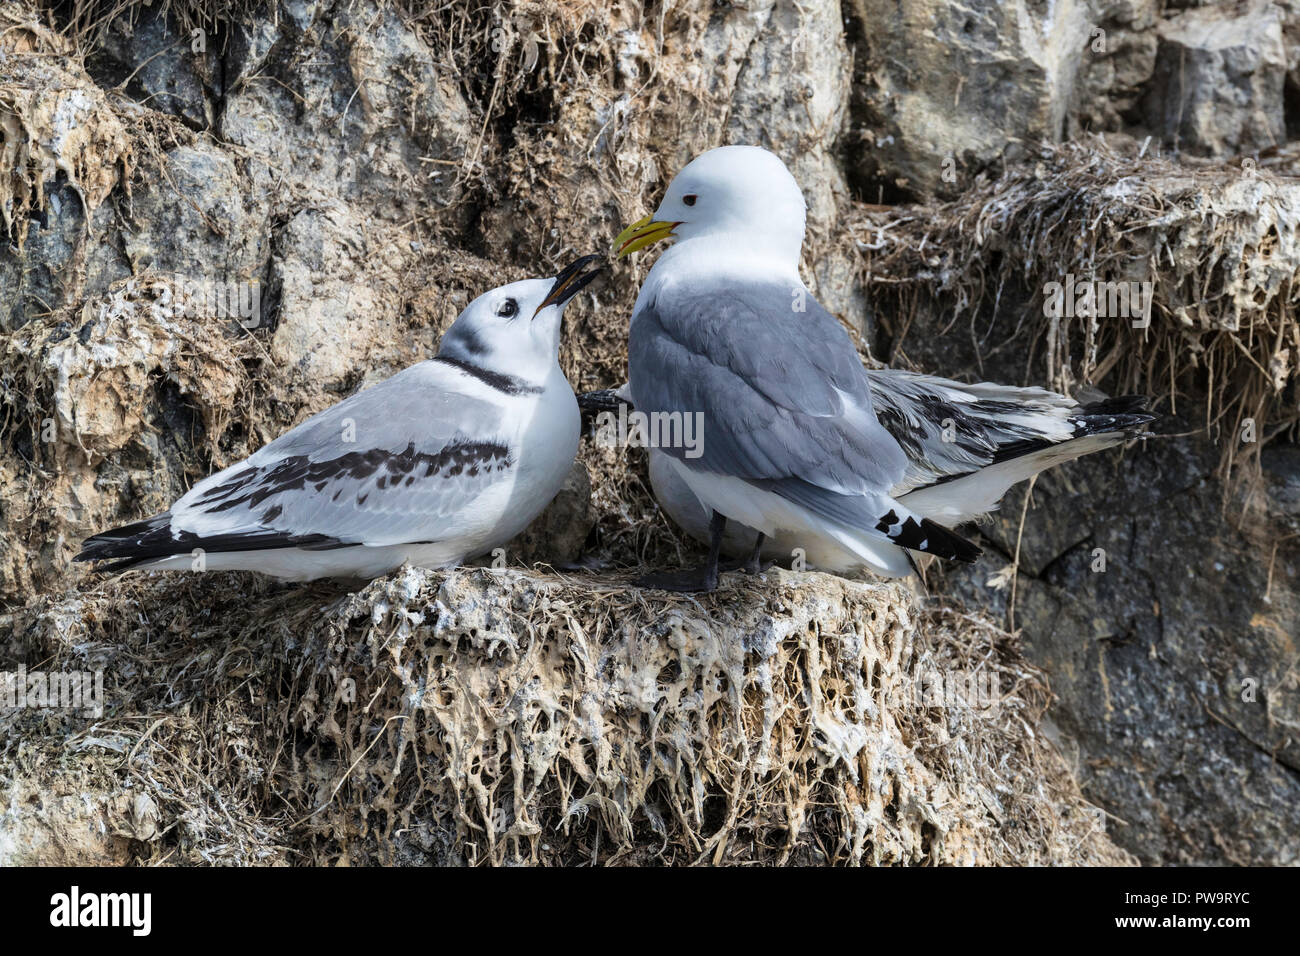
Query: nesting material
[133,378]
[481,716]
[1219,245]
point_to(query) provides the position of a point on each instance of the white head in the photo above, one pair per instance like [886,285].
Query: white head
[514,330]
[743,195]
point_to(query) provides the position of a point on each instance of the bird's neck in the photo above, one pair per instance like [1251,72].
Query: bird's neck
[518,375]
[540,376]
[736,255]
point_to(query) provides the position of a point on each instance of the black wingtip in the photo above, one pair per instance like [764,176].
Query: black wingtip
[154,538]
[128,541]
[958,548]
[1125,413]
[927,536]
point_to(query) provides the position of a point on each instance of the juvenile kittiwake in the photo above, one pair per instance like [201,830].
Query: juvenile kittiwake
[443,462]
[801,446]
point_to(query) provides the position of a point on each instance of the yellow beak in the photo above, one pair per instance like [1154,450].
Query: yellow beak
[642,233]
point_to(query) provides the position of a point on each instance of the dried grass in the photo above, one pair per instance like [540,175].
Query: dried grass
[1221,243]
[490,717]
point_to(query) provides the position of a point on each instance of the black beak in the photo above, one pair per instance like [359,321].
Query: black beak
[572,280]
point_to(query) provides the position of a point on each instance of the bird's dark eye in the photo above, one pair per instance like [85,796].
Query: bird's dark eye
[508,308]
[690,198]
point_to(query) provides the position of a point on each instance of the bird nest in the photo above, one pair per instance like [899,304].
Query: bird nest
[1219,245]
[497,716]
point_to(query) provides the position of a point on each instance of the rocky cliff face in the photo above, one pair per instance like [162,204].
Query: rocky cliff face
[214,234]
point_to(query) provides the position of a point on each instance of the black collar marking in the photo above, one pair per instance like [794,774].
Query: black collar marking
[502,383]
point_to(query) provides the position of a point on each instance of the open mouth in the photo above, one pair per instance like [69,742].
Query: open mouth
[572,280]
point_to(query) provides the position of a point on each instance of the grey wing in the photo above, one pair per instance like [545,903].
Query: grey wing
[399,462]
[782,393]
[949,429]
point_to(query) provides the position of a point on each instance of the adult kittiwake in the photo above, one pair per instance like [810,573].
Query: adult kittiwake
[443,462]
[966,445]
[800,444]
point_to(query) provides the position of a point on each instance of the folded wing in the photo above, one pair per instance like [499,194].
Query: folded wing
[401,462]
[786,404]
[966,445]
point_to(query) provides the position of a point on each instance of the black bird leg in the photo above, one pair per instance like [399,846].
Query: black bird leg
[591,404]
[750,565]
[695,579]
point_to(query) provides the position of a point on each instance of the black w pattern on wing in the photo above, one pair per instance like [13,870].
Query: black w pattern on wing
[253,485]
